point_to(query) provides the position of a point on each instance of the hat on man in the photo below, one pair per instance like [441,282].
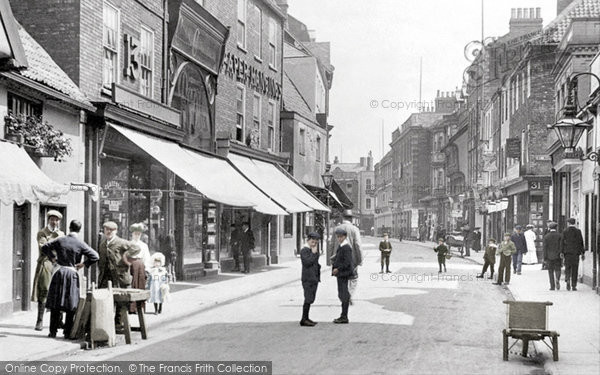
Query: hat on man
[55,214]
[530,226]
[347,213]
[110,225]
[571,221]
[340,232]
[507,235]
[492,240]
[314,235]
[518,227]
[137,227]
[552,225]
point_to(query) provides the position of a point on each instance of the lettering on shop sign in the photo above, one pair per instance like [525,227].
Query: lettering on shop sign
[131,65]
[240,70]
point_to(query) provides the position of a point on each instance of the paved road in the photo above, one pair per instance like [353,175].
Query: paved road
[412,321]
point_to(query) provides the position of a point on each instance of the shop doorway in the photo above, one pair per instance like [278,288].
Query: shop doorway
[21,255]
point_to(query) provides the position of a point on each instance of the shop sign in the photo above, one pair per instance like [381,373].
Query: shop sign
[513,147]
[190,97]
[236,68]
[131,54]
[114,205]
[197,40]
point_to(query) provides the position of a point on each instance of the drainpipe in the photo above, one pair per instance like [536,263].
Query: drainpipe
[165,70]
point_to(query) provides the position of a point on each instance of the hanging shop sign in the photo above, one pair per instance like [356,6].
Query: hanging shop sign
[236,68]
[513,147]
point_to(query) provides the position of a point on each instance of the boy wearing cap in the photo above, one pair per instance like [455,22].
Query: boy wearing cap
[43,270]
[311,275]
[506,250]
[385,247]
[343,268]
[489,259]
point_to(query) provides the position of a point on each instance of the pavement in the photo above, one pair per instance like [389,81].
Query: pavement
[575,315]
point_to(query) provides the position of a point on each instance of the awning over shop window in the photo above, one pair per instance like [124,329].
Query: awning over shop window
[339,193]
[322,194]
[213,177]
[21,180]
[277,184]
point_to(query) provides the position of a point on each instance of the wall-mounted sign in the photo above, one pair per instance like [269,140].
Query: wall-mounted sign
[513,148]
[131,65]
[236,68]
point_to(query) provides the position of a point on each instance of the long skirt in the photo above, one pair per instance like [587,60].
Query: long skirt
[63,293]
[138,275]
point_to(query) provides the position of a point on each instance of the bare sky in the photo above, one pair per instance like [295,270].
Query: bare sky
[376,47]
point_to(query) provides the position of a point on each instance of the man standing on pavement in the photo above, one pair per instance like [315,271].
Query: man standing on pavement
[342,268]
[552,255]
[63,294]
[43,270]
[311,275]
[246,245]
[518,238]
[234,242]
[505,250]
[386,250]
[354,240]
[572,248]
[113,265]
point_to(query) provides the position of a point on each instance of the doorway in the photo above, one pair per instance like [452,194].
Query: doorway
[21,250]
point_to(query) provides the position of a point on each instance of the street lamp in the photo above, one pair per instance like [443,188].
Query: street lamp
[569,129]
[327,181]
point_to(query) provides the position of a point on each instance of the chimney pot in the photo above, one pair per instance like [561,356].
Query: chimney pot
[538,12]
[519,12]
[513,13]
[438,94]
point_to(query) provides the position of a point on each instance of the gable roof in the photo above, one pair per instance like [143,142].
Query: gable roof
[293,101]
[44,70]
[555,30]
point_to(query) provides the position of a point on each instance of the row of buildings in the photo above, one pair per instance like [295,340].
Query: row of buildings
[484,156]
[190,116]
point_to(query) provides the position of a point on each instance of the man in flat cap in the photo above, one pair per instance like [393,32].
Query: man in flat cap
[43,270]
[113,264]
[552,255]
[573,247]
[518,238]
[343,269]
[354,240]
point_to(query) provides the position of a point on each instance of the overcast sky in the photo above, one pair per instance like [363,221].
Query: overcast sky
[376,46]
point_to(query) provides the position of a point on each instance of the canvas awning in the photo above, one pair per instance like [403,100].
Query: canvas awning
[278,184]
[213,177]
[21,180]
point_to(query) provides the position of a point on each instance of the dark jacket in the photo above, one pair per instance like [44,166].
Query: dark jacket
[490,254]
[476,241]
[520,242]
[311,269]
[572,242]
[111,265]
[343,261]
[247,241]
[385,246]
[441,250]
[552,246]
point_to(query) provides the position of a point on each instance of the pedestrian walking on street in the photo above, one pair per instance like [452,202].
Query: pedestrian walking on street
[546,231]
[385,247]
[234,243]
[476,240]
[531,256]
[158,282]
[63,294]
[354,240]
[442,250]
[572,249]
[342,268]
[506,250]
[311,275]
[43,270]
[553,255]
[518,238]
[489,259]
[246,245]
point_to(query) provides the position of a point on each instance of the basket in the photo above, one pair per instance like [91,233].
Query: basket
[448,256]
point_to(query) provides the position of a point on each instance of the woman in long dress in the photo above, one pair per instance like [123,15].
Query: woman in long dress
[139,262]
[531,256]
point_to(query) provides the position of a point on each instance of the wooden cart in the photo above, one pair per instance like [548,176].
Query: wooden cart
[528,321]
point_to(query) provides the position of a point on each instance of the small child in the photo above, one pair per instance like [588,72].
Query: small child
[441,251]
[489,258]
[158,282]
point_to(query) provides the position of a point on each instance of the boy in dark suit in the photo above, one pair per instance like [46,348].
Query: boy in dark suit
[311,275]
[343,266]
[552,255]
[386,250]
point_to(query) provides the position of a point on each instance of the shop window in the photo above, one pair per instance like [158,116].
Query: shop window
[110,37]
[241,23]
[288,226]
[241,110]
[146,61]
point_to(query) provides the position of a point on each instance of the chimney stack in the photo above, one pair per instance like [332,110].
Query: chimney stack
[525,21]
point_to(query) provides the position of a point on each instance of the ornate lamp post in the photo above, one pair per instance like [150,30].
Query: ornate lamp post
[569,129]
[327,181]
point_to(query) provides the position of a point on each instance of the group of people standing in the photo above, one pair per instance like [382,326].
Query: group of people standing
[345,260]
[123,263]
[242,243]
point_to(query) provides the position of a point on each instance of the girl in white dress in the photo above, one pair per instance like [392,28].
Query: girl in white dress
[158,282]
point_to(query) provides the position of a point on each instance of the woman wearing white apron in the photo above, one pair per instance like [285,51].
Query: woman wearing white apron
[531,256]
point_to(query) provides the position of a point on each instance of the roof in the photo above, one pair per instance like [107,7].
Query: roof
[44,70]
[293,101]
[555,30]
[348,167]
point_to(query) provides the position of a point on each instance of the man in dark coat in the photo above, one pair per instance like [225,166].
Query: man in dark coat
[246,245]
[63,294]
[552,255]
[572,248]
[342,268]
[311,275]
[385,247]
[521,244]
[234,242]
[113,264]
